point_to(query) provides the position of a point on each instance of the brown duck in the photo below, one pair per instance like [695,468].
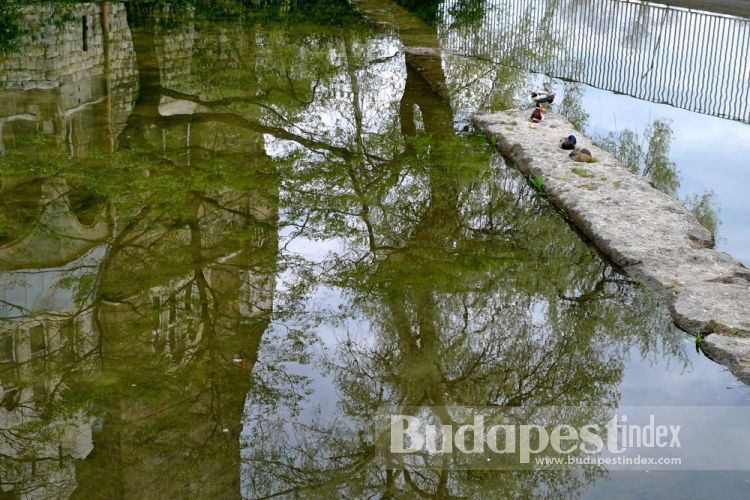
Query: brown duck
[582,155]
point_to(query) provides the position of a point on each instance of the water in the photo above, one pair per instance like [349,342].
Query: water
[680,65]
[225,245]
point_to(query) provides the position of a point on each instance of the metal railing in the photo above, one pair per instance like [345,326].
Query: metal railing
[689,59]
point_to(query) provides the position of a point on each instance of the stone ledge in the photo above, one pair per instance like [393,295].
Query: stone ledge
[732,352]
[651,235]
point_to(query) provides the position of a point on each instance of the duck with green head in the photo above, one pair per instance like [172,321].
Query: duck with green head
[542,97]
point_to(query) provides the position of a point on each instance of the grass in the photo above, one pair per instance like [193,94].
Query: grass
[538,183]
[699,340]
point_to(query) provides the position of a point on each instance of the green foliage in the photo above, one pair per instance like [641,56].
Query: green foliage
[538,183]
[10,29]
[290,12]
[571,106]
[295,12]
[428,10]
[651,161]
[467,13]
[509,80]
[699,341]
[657,166]
[706,210]
[625,147]
[19,209]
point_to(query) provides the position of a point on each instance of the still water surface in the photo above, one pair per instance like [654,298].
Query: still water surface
[225,245]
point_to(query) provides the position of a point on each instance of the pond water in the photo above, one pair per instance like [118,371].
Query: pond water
[227,244]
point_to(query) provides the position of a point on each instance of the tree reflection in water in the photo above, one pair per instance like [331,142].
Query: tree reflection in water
[199,339]
[649,157]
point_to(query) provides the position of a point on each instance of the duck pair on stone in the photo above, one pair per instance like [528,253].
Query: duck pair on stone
[578,154]
[539,98]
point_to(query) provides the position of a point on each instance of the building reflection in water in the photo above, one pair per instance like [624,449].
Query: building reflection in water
[162,323]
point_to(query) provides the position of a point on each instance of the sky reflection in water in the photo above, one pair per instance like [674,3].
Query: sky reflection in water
[251,229]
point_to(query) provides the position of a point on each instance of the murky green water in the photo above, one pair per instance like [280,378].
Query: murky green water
[226,245]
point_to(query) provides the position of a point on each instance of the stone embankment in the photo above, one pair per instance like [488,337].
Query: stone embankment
[652,236]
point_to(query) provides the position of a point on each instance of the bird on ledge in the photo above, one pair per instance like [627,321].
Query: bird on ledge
[542,97]
[568,142]
[536,116]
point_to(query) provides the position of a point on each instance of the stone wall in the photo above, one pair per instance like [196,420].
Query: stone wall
[51,50]
[174,50]
[51,78]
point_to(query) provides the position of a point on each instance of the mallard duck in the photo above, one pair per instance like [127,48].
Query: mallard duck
[542,97]
[568,142]
[582,155]
[536,115]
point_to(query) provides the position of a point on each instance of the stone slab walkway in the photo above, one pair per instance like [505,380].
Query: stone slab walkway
[651,235]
